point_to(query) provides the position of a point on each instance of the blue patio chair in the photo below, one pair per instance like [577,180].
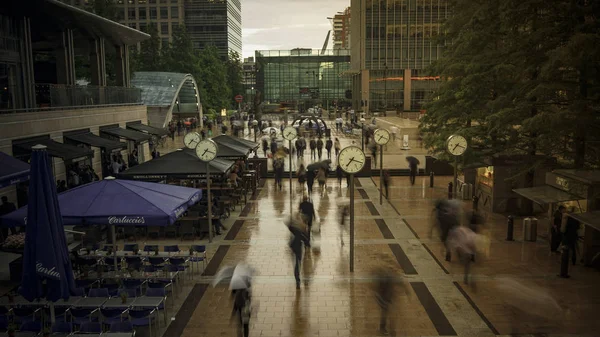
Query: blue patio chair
[171,249]
[31,326]
[112,315]
[156,261]
[180,263]
[98,292]
[62,328]
[24,314]
[200,255]
[133,262]
[90,327]
[82,315]
[134,284]
[143,317]
[131,247]
[150,248]
[121,327]
[158,292]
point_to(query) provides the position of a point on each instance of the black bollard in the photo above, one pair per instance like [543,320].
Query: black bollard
[564,262]
[475,203]
[510,229]
[431,179]
[450,190]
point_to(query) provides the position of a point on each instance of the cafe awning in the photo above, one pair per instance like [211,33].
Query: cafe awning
[161,133]
[235,141]
[135,136]
[97,141]
[543,195]
[231,151]
[180,164]
[12,170]
[59,150]
[591,219]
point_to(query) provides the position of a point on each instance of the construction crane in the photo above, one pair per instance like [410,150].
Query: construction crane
[326,43]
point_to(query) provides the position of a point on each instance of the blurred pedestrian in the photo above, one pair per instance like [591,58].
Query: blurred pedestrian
[328,146]
[307,211]
[570,238]
[310,180]
[339,174]
[462,240]
[265,145]
[446,219]
[386,183]
[394,131]
[313,148]
[301,175]
[298,241]
[320,148]
[413,165]
[242,308]
[338,147]
[322,179]
[278,168]
[344,213]
[384,294]
[555,230]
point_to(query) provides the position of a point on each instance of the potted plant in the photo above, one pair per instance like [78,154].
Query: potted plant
[124,297]
[10,331]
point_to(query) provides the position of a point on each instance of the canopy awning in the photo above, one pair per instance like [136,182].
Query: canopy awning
[97,141]
[12,170]
[135,136]
[235,141]
[543,195]
[591,219]
[231,151]
[180,164]
[148,129]
[59,150]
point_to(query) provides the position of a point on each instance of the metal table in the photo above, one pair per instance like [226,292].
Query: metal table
[151,302]
[117,302]
[71,302]
[20,301]
[91,302]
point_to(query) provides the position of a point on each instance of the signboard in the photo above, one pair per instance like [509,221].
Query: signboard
[224,112]
[309,92]
[239,98]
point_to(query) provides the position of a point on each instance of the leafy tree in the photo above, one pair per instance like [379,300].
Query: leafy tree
[216,94]
[235,76]
[149,57]
[104,8]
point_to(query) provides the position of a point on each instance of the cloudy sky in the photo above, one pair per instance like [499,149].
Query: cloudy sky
[287,24]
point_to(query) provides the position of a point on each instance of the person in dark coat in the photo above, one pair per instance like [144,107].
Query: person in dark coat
[320,148]
[299,239]
[384,293]
[555,233]
[307,210]
[242,309]
[273,146]
[265,146]
[339,173]
[310,179]
[313,148]
[278,167]
[571,237]
[386,183]
[328,146]
[446,221]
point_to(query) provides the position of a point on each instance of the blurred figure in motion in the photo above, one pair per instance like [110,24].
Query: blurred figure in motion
[242,308]
[278,166]
[386,183]
[307,212]
[310,180]
[339,174]
[301,176]
[570,238]
[413,165]
[344,213]
[385,291]
[298,240]
[555,231]
[446,218]
[322,179]
[463,240]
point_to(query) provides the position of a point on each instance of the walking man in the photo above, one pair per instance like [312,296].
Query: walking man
[328,146]
[313,149]
[320,147]
[307,210]
[298,241]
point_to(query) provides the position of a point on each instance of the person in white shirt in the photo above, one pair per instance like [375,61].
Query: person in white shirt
[394,131]
[116,167]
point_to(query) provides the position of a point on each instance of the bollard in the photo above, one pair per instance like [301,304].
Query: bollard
[510,229]
[564,262]
[431,179]
[450,190]
[475,203]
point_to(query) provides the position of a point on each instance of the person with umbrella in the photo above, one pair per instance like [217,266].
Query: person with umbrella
[297,242]
[240,282]
[413,165]
[310,178]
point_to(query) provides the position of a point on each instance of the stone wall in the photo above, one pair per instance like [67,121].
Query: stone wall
[17,126]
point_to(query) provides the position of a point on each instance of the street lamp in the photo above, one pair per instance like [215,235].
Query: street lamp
[362,143]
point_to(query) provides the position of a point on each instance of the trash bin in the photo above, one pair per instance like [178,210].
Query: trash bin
[530,229]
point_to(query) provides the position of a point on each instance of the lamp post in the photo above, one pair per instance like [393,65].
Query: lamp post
[255,126]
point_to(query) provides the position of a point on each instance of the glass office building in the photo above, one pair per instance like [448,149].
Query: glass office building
[216,22]
[301,78]
[393,42]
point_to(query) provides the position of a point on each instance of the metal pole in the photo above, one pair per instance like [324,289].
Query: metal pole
[114,245]
[380,175]
[291,193]
[455,187]
[352,223]
[210,226]
[362,131]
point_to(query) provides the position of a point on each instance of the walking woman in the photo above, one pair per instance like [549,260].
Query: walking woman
[301,176]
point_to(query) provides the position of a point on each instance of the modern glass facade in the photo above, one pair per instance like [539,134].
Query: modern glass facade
[395,42]
[304,77]
[216,22]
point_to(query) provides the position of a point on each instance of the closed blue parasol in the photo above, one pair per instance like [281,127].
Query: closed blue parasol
[118,202]
[47,271]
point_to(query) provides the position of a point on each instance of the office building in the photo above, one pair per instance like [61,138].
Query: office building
[249,68]
[341,30]
[301,78]
[216,22]
[392,43]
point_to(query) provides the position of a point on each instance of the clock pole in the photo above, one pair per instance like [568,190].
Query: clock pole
[351,223]
[455,187]
[210,227]
[380,174]
[291,192]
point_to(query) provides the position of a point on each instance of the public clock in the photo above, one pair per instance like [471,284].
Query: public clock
[191,140]
[207,150]
[456,145]
[381,136]
[351,159]
[290,133]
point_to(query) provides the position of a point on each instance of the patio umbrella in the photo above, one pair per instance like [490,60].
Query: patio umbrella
[47,271]
[239,277]
[318,165]
[412,160]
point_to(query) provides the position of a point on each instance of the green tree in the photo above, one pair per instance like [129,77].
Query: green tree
[104,8]
[149,58]
[235,76]
[215,93]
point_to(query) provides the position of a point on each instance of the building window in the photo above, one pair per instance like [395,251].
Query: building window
[133,25]
[130,2]
[163,1]
[143,27]
[165,42]
[131,13]
[153,13]
[174,27]
[120,14]
[142,13]
[141,1]
[174,12]
[164,28]
[164,13]
[174,1]
[151,1]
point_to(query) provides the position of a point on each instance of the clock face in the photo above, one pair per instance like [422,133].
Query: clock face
[456,145]
[351,159]
[207,150]
[191,140]
[290,133]
[381,136]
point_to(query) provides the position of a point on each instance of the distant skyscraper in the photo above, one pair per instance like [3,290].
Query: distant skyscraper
[341,30]
[217,22]
[392,43]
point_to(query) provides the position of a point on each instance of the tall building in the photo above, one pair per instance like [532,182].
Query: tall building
[341,30]
[392,43]
[217,22]
[249,68]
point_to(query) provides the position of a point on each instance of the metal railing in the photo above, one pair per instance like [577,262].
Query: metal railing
[60,95]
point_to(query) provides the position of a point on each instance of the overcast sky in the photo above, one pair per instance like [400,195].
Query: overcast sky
[287,24]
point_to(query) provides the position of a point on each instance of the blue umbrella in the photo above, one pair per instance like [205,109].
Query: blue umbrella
[47,271]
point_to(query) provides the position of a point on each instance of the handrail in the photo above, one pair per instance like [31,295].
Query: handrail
[50,108]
